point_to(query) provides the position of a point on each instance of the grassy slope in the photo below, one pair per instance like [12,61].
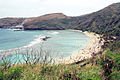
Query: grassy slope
[100,67]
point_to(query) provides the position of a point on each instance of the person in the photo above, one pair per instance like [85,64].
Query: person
[92,54]
[93,58]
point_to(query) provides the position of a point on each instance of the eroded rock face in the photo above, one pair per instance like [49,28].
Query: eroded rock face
[45,22]
[10,22]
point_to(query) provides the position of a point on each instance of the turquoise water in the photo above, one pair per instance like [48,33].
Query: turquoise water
[64,42]
[14,39]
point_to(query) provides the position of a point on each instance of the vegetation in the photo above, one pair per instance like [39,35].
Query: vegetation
[9,73]
[104,66]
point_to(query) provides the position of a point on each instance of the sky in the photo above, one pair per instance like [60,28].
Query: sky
[34,8]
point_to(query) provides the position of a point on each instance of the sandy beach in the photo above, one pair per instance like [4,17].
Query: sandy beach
[93,47]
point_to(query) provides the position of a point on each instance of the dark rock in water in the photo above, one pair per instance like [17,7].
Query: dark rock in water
[46,38]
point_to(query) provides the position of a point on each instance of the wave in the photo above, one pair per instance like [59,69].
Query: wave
[54,33]
[37,40]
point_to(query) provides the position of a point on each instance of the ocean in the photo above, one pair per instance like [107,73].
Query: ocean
[60,42]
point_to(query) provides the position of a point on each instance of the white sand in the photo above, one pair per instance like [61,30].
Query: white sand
[93,46]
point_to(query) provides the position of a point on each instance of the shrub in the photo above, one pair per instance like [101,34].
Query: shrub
[12,73]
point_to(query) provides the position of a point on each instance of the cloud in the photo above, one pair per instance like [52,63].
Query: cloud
[27,8]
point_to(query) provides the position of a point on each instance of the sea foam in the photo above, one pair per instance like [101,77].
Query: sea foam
[53,33]
[37,40]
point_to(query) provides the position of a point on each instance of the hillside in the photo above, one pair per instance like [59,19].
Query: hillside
[9,22]
[109,17]
[105,19]
[45,22]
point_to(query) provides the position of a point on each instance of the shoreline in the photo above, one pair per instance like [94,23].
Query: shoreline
[93,47]
[21,49]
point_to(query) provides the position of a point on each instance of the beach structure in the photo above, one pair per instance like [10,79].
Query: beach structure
[21,27]
[18,28]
